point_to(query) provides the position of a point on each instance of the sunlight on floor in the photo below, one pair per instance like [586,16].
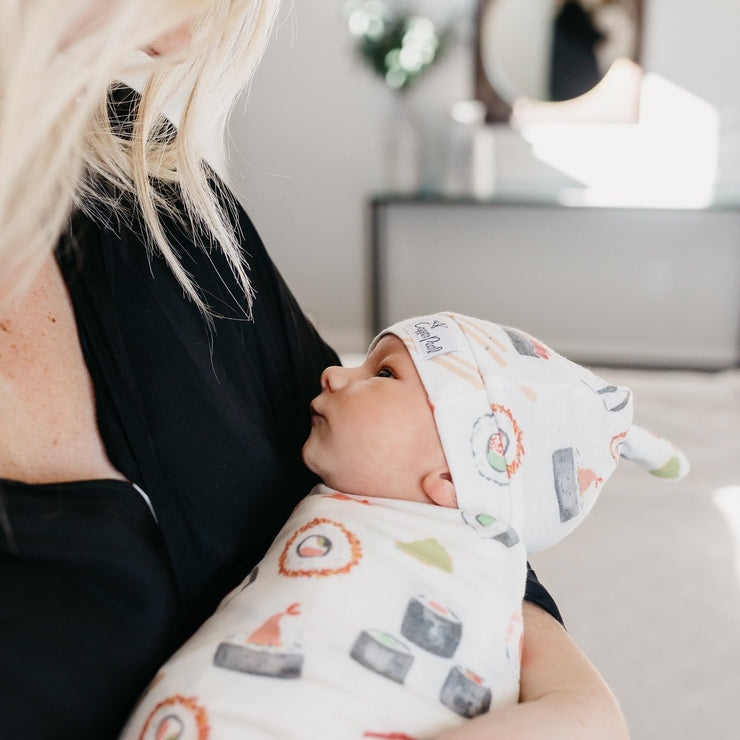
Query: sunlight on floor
[727,501]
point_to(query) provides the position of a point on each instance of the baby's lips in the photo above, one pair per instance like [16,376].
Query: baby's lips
[314,410]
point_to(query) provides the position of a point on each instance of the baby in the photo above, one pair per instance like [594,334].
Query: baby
[389,606]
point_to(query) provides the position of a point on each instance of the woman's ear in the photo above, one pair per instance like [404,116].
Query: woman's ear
[438,486]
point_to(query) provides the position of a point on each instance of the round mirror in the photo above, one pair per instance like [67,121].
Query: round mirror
[550,50]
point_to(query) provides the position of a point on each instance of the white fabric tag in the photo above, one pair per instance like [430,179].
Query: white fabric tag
[433,337]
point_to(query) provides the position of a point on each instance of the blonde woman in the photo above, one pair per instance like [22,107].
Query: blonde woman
[154,387]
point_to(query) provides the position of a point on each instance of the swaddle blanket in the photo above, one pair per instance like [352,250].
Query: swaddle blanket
[383,618]
[367,618]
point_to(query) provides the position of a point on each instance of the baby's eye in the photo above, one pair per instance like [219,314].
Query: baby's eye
[386,373]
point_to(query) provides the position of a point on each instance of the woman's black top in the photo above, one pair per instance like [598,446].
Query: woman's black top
[209,421]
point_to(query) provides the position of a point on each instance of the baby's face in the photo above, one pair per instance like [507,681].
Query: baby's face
[372,429]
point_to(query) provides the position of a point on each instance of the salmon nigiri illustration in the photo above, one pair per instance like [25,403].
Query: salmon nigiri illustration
[264,652]
[269,632]
[587,477]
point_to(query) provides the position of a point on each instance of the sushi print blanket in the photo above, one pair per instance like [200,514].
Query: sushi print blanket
[367,618]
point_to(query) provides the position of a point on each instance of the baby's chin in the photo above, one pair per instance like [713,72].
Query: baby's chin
[307,458]
[310,462]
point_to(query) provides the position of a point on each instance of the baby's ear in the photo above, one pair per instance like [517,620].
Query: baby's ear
[438,486]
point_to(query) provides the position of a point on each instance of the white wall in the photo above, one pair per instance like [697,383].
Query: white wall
[308,149]
[695,45]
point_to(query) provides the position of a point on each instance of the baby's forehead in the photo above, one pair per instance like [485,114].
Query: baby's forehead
[388,343]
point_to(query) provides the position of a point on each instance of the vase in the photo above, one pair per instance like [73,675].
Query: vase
[469,166]
[403,149]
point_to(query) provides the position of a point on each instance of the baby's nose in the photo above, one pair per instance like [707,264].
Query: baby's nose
[333,378]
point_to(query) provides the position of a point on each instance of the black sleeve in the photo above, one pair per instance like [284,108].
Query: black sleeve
[537,594]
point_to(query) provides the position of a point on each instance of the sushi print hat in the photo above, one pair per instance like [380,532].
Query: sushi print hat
[529,436]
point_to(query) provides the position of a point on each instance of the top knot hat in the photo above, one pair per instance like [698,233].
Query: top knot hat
[529,436]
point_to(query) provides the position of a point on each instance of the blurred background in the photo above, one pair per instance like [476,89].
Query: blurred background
[310,150]
[573,169]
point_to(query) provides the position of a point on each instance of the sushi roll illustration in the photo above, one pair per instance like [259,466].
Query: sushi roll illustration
[320,548]
[613,397]
[431,626]
[527,346]
[263,652]
[565,473]
[497,446]
[488,527]
[571,481]
[615,445]
[465,693]
[382,653]
[176,718]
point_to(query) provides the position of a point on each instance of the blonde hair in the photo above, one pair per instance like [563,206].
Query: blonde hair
[59,149]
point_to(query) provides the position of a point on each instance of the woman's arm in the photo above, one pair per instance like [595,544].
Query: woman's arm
[561,695]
